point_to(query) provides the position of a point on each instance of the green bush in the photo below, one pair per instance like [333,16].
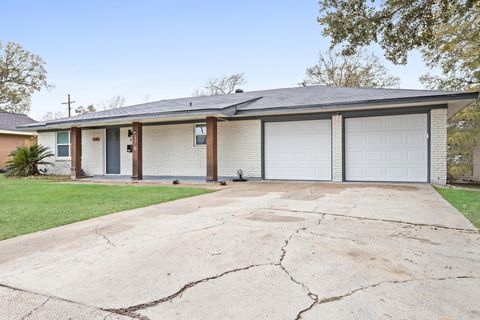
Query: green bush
[25,160]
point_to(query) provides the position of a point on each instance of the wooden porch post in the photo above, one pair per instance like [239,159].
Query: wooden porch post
[212,149]
[137,151]
[76,152]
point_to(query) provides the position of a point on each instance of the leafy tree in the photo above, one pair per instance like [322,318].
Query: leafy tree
[83,110]
[463,128]
[21,74]
[25,160]
[463,138]
[398,26]
[359,70]
[223,85]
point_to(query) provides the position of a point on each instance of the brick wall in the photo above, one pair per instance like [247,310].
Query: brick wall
[9,142]
[337,148]
[239,147]
[438,146]
[92,153]
[59,166]
[169,150]
[93,162]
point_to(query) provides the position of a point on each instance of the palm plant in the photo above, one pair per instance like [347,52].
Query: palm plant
[26,159]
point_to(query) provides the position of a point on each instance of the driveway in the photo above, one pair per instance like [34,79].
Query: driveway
[254,251]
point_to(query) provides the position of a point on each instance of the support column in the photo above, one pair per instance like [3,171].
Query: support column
[76,152]
[337,148]
[137,151]
[212,149]
[438,146]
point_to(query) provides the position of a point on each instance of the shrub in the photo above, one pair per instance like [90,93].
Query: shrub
[25,160]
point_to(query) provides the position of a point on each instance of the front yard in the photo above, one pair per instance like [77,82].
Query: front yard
[467,201]
[29,205]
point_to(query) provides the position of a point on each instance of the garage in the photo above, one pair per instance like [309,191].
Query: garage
[387,148]
[298,150]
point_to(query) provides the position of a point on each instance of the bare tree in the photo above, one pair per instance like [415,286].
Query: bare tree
[359,70]
[50,115]
[83,110]
[222,85]
[113,103]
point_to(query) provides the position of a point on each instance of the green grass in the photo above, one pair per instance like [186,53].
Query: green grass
[29,205]
[466,201]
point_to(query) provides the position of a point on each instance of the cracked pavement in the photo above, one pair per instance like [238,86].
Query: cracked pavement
[254,251]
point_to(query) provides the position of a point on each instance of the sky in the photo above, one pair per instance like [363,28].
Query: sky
[152,50]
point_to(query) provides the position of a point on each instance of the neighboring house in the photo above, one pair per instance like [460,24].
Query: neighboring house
[476,164]
[10,136]
[303,133]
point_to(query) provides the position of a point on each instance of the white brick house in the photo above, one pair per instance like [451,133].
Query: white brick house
[305,133]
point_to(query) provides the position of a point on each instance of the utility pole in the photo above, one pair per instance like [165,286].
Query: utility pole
[69,103]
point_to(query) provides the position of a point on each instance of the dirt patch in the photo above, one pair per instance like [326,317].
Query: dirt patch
[269,217]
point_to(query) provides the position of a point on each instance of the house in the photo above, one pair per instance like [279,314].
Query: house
[11,137]
[304,133]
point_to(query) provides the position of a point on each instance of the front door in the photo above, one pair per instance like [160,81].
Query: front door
[113,151]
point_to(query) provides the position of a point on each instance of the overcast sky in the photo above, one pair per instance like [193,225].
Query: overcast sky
[150,50]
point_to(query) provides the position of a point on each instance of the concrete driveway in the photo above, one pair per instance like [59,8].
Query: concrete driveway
[254,251]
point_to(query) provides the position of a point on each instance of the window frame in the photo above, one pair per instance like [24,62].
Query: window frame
[195,125]
[69,144]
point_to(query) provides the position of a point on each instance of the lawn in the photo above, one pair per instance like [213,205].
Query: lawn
[29,205]
[467,201]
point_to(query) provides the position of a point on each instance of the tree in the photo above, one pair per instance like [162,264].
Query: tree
[463,128]
[113,103]
[359,70]
[222,85]
[398,26]
[21,74]
[83,110]
[50,115]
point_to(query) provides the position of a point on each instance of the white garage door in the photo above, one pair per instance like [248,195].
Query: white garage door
[298,150]
[387,148]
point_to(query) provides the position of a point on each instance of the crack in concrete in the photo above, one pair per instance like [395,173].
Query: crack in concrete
[104,237]
[378,284]
[35,309]
[131,311]
[314,297]
[414,224]
[50,297]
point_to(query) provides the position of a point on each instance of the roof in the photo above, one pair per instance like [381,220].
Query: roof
[10,121]
[255,102]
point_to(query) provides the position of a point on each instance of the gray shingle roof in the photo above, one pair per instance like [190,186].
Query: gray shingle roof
[317,97]
[10,121]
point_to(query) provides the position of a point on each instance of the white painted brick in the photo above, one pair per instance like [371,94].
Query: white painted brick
[58,167]
[169,150]
[125,157]
[438,146]
[337,148]
[476,164]
[93,162]
[240,147]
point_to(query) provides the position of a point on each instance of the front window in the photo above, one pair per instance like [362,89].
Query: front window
[63,144]
[200,134]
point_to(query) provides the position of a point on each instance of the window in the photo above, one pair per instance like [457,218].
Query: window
[200,134]
[63,144]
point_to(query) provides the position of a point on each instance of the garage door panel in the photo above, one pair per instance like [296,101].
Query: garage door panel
[386,148]
[298,150]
